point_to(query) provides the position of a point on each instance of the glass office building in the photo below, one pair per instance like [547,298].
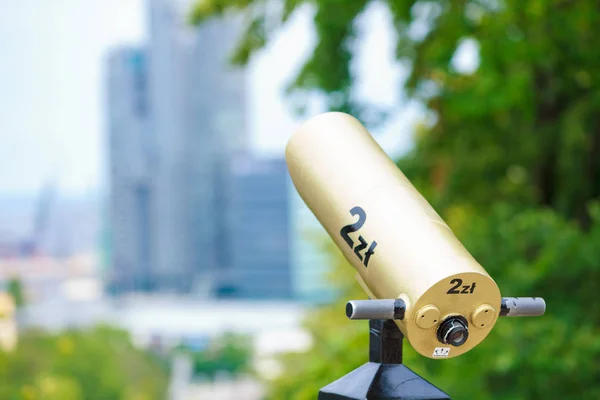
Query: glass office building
[130,177]
[260,230]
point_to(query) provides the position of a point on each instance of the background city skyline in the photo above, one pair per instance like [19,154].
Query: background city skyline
[73,74]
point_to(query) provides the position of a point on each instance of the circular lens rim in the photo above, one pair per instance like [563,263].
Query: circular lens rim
[452,325]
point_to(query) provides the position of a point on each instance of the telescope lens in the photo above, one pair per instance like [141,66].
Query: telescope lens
[453,331]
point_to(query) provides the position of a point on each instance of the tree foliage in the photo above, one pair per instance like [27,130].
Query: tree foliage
[511,161]
[230,353]
[97,364]
[14,287]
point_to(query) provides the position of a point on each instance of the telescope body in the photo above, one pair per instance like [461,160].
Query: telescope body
[391,235]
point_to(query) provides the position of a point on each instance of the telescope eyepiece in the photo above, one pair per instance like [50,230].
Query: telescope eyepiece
[453,331]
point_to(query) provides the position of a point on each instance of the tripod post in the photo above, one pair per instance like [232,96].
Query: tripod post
[384,377]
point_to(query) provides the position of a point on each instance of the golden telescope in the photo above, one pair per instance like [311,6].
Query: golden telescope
[409,262]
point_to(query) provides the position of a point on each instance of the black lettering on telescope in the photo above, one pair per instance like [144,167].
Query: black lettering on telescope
[346,230]
[466,289]
[360,247]
[345,234]
[369,253]
[453,289]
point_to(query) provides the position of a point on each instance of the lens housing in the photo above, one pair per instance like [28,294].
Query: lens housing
[454,331]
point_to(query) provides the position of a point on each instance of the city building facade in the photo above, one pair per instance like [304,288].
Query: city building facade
[260,231]
[130,175]
[183,208]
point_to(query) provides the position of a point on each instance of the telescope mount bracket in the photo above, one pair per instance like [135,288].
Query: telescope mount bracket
[384,377]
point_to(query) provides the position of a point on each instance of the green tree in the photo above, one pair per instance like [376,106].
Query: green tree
[14,287]
[511,161]
[92,364]
[230,352]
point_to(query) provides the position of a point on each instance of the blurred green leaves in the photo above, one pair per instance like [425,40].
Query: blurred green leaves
[230,353]
[94,364]
[14,288]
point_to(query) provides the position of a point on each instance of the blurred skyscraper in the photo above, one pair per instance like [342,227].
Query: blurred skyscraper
[218,129]
[188,214]
[130,161]
[198,118]
[260,231]
[172,262]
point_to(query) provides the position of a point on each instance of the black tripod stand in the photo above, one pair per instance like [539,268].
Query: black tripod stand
[384,377]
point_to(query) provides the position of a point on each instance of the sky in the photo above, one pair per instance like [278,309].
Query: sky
[52,114]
